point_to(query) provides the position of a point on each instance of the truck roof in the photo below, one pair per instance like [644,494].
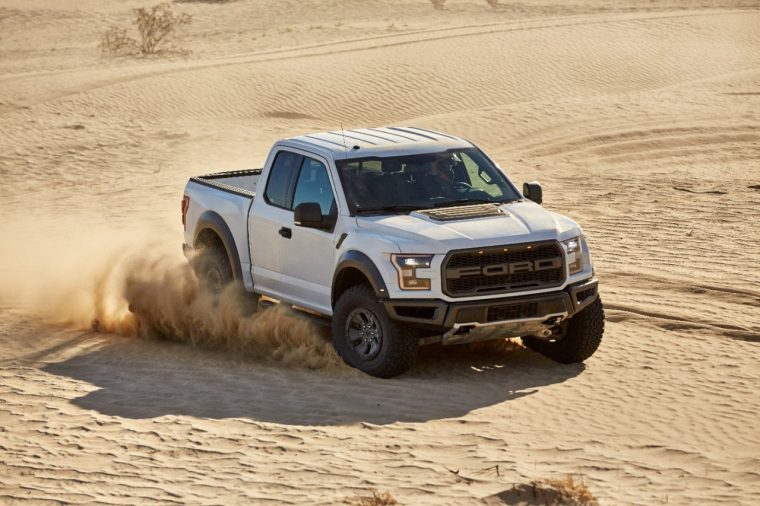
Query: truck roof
[384,141]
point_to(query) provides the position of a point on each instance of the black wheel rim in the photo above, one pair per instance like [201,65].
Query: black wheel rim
[365,336]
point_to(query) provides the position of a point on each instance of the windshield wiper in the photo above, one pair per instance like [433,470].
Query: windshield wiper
[388,209]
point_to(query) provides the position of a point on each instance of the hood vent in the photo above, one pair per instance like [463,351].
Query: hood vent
[463,212]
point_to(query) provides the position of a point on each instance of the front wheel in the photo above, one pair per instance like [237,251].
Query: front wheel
[368,339]
[579,338]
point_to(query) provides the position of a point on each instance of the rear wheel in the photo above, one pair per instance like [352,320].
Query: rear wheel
[579,339]
[213,270]
[214,273]
[368,339]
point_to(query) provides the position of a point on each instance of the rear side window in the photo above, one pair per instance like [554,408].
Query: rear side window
[281,178]
[314,186]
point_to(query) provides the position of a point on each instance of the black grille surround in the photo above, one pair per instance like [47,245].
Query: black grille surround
[503,269]
[441,316]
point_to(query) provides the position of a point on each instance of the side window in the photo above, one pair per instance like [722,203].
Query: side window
[281,176]
[314,186]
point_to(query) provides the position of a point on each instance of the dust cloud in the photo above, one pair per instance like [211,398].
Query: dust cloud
[130,284]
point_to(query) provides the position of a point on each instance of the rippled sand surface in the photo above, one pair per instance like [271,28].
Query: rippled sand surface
[641,120]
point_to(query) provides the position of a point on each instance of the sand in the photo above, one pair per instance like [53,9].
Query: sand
[642,121]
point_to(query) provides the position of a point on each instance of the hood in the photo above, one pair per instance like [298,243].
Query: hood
[520,222]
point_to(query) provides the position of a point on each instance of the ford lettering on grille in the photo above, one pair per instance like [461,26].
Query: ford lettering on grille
[506,268]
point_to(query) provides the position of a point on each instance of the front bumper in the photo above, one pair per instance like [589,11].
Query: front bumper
[516,315]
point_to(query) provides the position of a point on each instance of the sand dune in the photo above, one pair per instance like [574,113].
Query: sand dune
[641,120]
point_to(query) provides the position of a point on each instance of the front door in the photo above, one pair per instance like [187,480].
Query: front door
[307,257]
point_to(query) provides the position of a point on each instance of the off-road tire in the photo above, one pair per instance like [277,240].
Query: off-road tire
[213,270]
[580,338]
[214,273]
[399,344]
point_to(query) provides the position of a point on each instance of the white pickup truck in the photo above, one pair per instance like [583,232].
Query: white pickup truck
[402,236]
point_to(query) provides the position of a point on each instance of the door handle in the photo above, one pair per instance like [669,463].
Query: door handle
[286,232]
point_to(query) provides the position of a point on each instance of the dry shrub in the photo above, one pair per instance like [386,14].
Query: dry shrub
[493,3]
[157,25]
[155,28]
[548,492]
[566,491]
[438,4]
[116,41]
[376,499]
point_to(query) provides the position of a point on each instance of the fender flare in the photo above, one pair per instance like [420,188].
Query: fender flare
[211,220]
[361,262]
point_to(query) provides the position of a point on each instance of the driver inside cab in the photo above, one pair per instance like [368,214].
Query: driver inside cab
[441,177]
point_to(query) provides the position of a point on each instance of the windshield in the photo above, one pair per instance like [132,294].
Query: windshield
[406,183]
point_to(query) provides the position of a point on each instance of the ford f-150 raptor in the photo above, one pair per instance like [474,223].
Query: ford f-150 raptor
[402,236]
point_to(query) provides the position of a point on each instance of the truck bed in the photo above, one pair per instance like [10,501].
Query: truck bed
[241,182]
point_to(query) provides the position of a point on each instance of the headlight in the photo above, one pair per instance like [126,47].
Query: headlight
[407,266]
[574,252]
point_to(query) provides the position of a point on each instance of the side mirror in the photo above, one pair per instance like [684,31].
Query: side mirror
[532,191]
[308,214]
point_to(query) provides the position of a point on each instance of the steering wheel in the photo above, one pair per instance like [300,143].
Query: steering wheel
[461,185]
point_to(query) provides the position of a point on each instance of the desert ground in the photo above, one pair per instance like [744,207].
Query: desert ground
[642,121]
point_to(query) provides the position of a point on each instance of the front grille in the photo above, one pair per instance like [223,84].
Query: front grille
[504,269]
[512,311]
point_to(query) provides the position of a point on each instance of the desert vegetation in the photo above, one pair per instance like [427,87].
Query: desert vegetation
[559,491]
[156,27]
[375,499]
